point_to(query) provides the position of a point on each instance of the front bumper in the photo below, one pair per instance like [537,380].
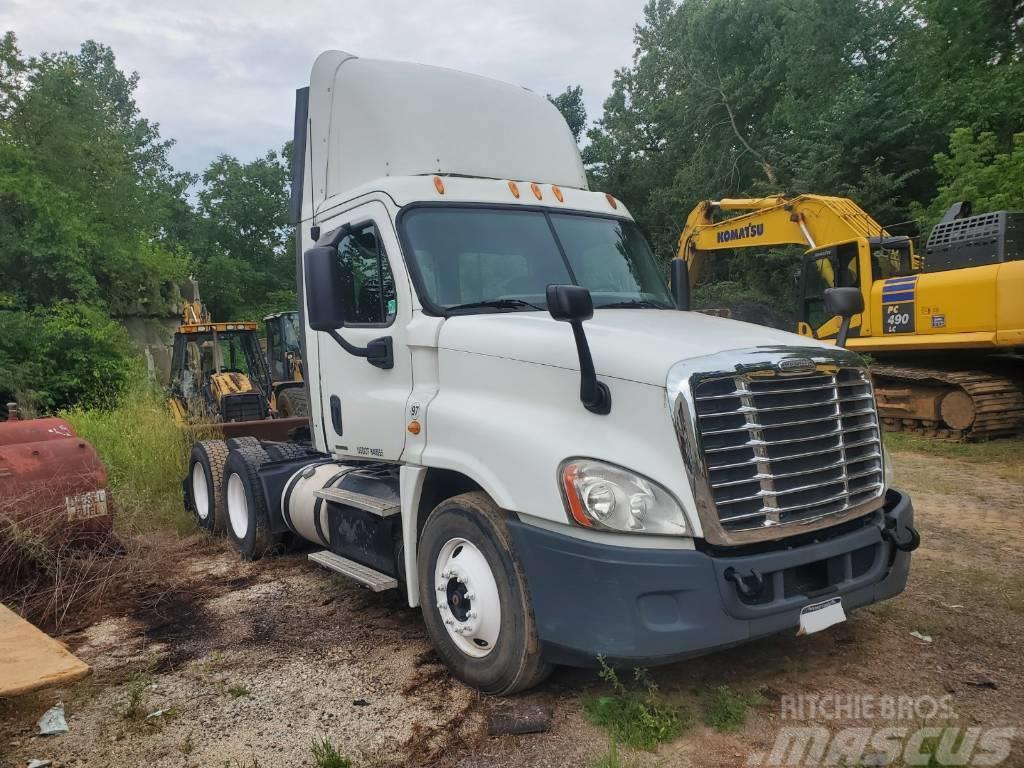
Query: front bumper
[638,606]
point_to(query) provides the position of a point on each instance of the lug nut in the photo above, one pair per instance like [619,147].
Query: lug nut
[472,614]
[471,595]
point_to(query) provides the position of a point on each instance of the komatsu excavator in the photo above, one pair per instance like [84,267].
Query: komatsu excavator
[946,330]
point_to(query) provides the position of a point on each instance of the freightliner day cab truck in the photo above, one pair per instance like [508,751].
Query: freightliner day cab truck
[514,424]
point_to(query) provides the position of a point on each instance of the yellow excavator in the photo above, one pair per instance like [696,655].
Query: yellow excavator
[946,329]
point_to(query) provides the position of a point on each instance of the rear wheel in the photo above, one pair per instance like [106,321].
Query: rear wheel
[474,597]
[292,402]
[248,524]
[205,483]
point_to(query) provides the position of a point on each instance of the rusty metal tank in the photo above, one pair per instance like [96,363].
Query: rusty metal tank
[52,482]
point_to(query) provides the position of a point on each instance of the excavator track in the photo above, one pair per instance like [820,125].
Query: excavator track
[948,404]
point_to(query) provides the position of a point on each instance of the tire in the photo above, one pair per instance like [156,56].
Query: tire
[244,442]
[497,658]
[292,402]
[282,451]
[247,522]
[205,482]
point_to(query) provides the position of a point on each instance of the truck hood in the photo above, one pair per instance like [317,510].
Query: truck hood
[633,344]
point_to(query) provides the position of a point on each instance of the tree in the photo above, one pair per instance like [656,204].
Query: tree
[85,187]
[242,242]
[570,104]
[975,169]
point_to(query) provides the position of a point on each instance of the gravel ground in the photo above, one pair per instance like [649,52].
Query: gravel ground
[247,664]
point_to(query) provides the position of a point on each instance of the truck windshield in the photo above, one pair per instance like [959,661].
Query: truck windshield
[502,260]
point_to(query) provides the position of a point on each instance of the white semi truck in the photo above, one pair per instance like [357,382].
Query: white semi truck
[515,423]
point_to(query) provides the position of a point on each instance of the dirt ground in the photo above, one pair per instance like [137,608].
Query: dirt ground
[244,665]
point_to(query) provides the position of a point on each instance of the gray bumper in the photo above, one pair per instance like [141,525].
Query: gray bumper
[648,606]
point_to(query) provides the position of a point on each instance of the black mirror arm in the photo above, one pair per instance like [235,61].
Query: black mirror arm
[379,352]
[594,394]
[844,330]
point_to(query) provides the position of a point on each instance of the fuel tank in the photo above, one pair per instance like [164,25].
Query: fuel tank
[52,482]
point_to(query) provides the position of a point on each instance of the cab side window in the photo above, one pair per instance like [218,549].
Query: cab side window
[369,286]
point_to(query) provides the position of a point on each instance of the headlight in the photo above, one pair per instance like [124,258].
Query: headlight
[611,498]
[887,467]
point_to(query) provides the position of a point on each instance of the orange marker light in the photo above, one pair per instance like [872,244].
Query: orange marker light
[439,185]
[558,194]
[575,508]
[414,427]
[536,190]
[514,188]
[611,200]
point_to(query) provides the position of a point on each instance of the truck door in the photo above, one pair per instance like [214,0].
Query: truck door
[362,405]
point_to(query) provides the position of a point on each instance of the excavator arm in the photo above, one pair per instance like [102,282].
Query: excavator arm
[808,220]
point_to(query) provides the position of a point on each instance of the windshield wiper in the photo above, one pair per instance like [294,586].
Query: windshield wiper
[494,304]
[632,304]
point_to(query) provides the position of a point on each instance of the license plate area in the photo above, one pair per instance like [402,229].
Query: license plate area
[819,616]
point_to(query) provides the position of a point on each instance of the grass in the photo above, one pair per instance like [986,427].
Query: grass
[136,707]
[238,691]
[1007,451]
[726,710]
[327,755]
[636,717]
[146,456]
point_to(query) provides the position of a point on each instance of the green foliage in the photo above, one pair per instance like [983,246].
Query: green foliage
[146,455]
[726,709]
[975,169]
[68,354]
[85,186]
[327,755]
[242,242]
[570,104]
[635,717]
[238,691]
[734,98]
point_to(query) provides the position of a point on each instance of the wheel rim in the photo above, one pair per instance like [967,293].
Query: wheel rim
[467,597]
[238,506]
[200,491]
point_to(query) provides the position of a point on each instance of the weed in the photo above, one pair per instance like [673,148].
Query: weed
[136,709]
[238,691]
[327,755]
[611,759]
[187,747]
[726,709]
[635,717]
[146,455]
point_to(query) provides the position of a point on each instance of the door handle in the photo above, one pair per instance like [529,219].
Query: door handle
[336,413]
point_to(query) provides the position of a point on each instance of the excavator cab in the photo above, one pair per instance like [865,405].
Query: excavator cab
[844,265]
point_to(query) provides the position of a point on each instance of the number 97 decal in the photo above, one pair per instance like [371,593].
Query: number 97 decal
[899,317]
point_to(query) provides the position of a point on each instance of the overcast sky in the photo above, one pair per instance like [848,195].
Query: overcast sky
[220,75]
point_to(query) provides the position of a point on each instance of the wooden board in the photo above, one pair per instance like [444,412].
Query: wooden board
[30,659]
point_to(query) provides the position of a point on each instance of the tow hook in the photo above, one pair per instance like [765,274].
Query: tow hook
[889,534]
[746,590]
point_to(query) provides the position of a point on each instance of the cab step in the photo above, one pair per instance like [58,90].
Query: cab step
[380,507]
[373,580]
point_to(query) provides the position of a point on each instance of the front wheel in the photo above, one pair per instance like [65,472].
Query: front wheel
[474,597]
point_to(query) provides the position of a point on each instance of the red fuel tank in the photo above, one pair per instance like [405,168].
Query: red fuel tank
[52,482]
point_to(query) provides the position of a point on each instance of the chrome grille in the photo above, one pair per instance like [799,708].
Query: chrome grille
[781,449]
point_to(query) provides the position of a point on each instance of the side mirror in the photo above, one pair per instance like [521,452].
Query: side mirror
[322,281]
[573,304]
[570,303]
[681,284]
[844,302]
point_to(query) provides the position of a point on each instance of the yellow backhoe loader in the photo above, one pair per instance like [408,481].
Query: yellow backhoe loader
[220,380]
[946,330]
